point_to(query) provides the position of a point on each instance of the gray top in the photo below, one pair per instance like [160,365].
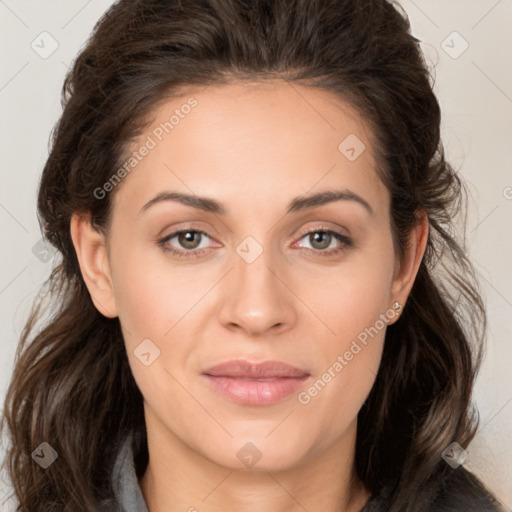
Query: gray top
[124,478]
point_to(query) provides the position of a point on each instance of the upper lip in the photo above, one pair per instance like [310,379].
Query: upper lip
[265,369]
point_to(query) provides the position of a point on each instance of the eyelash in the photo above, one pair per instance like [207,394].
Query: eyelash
[346,243]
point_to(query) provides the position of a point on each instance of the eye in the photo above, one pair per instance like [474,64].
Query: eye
[187,238]
[189,242]
[322,238]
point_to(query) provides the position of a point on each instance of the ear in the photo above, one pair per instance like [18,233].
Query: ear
[413,254]
[91,251]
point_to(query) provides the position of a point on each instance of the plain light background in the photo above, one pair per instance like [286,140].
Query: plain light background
[468,43]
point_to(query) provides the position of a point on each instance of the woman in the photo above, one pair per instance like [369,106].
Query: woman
[260,303]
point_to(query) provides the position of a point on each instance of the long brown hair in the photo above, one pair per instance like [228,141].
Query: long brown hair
[72,386]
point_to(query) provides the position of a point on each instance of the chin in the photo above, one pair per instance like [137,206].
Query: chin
[259,453]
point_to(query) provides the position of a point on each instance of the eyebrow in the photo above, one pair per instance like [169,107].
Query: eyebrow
[296,205]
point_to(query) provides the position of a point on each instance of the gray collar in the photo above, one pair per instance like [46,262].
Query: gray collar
[124,480]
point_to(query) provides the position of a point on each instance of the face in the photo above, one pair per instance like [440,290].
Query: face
[260,274]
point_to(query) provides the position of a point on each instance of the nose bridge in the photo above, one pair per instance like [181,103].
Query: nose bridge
[256,298]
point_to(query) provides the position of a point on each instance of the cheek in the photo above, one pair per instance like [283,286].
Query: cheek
[157,301]
[346,374]
[351,296]
[353,304]
[150,294]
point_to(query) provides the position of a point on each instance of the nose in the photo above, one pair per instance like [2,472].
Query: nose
[256,297]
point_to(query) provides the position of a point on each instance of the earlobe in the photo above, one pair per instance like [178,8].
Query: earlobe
[403,282]
[92,256]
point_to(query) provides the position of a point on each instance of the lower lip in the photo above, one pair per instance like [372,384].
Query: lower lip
[256,392]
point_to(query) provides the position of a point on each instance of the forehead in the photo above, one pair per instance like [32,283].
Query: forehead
[247,140]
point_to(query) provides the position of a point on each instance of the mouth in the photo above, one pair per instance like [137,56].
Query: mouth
[248,383]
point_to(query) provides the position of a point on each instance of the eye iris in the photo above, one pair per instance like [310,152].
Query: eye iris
[320,236]
[186,239]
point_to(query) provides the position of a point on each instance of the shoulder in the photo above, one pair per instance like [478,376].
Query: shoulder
[462,491]
[458,490]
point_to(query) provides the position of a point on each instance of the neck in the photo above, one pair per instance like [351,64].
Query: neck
[179,479]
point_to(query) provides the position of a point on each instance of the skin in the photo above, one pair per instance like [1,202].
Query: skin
[253,147]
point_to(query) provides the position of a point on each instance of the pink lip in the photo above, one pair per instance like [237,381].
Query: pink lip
[238,380]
